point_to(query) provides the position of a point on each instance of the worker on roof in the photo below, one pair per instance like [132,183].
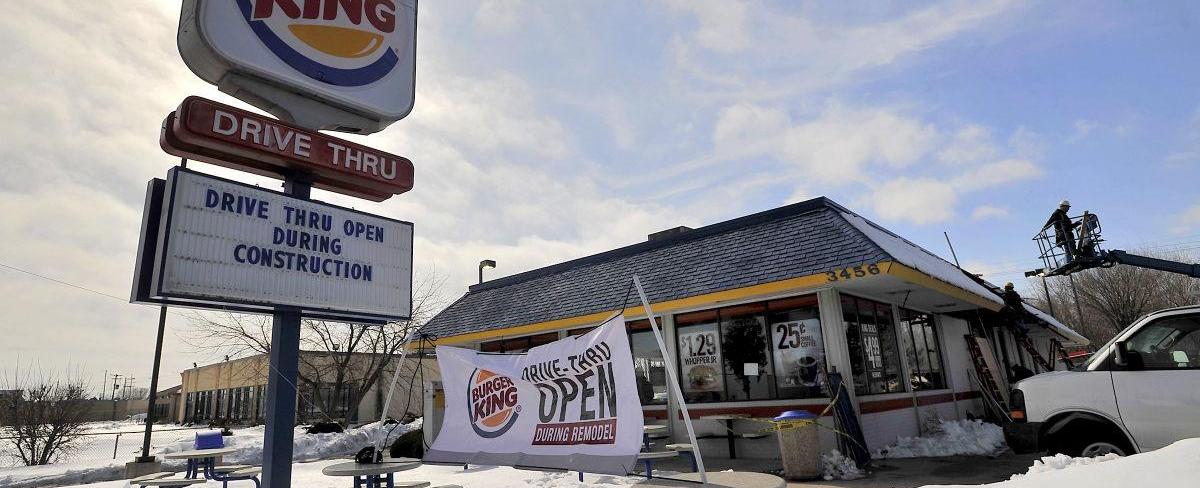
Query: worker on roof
[1064,229]
[1014,308]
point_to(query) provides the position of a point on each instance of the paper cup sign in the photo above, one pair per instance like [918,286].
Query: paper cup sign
[570,404]
[799,353]
[223,242]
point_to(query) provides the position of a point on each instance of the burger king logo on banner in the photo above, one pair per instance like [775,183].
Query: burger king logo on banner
[340,42]
[492,402]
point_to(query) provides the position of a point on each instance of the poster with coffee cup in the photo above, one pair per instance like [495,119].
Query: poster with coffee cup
[799,352]
[700,356]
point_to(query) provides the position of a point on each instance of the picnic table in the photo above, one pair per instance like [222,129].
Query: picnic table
[729,435]
[376,475]
[200,458]
[652,431]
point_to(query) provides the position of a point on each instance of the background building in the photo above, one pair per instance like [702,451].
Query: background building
[757,307]
[234,392]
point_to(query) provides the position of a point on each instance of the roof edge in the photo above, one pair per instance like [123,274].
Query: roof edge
[790,210]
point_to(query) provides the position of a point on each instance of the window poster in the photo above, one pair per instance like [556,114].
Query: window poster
[799,352]
[700,357]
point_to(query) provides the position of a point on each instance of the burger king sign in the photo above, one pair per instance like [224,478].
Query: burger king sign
[324,64]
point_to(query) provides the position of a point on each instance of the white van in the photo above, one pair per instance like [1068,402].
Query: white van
[1139,392]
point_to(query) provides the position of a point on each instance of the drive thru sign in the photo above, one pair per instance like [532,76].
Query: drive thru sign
[227,136]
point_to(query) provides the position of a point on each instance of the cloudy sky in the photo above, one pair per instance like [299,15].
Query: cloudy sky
[545,131]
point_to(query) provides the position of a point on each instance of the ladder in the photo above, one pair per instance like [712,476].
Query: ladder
[1056,346]
[1025,342]
[986,380]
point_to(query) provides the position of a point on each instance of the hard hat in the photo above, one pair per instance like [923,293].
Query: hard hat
[1008,285]
[1064,203]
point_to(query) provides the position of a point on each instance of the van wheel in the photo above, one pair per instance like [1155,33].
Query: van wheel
[1091,446]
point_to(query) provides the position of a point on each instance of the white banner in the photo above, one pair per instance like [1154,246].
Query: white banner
[571,404]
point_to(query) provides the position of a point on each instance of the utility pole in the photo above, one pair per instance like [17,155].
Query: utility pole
[103,380]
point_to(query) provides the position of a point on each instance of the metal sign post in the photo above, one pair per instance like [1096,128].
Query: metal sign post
[284,365]
[672,379]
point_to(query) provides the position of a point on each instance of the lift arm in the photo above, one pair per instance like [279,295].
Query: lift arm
[1122,257]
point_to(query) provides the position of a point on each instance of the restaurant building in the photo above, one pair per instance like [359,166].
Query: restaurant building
[756,309]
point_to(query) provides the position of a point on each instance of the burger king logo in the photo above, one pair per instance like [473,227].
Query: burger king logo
[492,401]
[340,42]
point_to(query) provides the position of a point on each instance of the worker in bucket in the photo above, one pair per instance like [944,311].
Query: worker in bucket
[1064,229]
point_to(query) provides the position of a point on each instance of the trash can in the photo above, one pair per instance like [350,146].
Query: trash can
[798,444]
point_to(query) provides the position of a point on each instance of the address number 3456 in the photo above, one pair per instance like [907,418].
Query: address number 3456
[852,272]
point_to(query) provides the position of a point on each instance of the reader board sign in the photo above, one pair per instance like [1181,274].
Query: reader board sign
[571,404]
[354,55]
[224,244]
[216,133]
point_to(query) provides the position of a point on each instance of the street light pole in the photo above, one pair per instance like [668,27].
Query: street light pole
[486,263]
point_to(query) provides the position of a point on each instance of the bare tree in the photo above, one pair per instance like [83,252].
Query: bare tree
[44,419]
[1112,298]
[341,361]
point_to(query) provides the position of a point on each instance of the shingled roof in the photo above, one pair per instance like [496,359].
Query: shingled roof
[797,240]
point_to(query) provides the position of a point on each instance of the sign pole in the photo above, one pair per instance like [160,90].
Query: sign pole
[672,379]
[284,371]
[150,417]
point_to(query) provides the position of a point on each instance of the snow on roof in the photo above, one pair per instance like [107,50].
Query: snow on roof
[1059,328]
[915,257]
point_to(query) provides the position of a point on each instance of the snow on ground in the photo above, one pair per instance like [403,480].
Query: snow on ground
[1175,465]
[951,438]
[836,466]
[1063,461]
[308,475]
[248,442]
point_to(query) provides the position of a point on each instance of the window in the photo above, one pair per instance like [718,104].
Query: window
[700,356]
[919,337]
[799,351]
[518,344]
[874,355]
[648,365]
[1168,343]
[747,365]
[756,351]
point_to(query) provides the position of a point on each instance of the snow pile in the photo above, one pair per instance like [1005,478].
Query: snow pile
[306,447]
[1063,461]
[61,474]
[248,443]
[951,438]
[835,466]
[1175,465]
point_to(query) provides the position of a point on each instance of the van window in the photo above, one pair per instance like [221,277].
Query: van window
[1168,343]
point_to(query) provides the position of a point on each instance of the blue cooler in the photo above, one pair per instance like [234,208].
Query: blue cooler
[210,439]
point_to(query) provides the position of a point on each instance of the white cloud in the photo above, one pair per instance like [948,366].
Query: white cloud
[806,53]
[1189,150]
[970,144]
[997,173]
[1188,221]
[722,25]
[916,200]
[836,146]
[1083,127]
[990,212]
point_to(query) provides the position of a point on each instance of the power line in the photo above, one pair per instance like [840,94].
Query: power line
[65,283]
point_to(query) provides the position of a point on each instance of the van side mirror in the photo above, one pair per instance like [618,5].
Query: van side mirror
[1126,359]
[1120,354]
